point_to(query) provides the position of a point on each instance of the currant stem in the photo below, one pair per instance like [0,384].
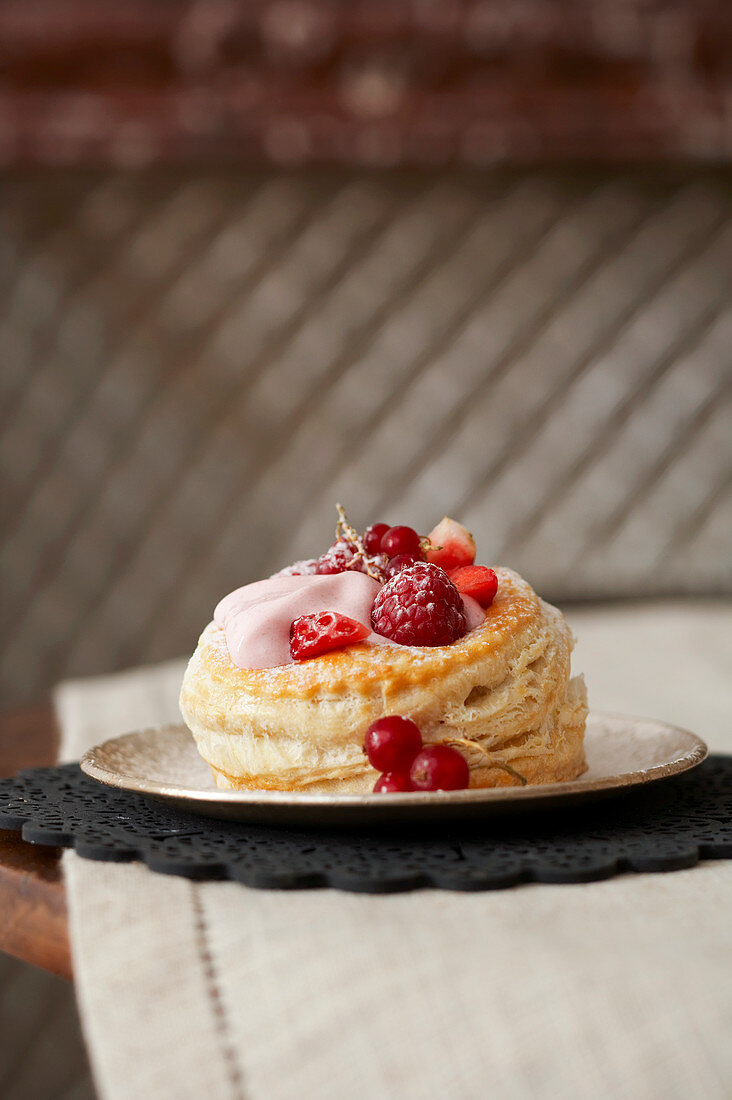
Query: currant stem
[493,763]
[345,530]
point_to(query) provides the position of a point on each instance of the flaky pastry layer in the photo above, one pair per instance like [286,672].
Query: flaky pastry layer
[505,687]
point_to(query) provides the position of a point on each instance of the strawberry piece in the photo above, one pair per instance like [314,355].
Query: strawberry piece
[311,635]
[477,581]
[453,545]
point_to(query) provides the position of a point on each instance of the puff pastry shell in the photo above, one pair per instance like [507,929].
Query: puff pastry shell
[505,687]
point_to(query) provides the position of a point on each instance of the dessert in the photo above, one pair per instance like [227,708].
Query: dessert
[391,662]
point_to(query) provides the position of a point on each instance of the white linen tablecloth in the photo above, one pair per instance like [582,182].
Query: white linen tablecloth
[615,989]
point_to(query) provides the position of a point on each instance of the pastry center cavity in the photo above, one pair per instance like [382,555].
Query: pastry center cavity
[256,618]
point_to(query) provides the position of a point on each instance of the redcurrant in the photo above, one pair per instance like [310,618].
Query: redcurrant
[392,743]
[393,783]
[439,768]
[402,540]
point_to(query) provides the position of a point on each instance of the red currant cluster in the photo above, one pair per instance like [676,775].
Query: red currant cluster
[381,551]
[394,747]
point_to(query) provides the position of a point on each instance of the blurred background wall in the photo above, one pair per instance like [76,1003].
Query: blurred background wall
[198,364]
[420,257]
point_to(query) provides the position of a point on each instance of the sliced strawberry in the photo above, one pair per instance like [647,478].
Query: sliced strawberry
[311,635]
[477,581]
[453,545]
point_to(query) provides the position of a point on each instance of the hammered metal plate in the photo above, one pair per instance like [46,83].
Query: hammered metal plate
[163,762]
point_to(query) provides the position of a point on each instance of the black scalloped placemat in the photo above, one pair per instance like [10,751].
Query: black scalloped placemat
[664,827]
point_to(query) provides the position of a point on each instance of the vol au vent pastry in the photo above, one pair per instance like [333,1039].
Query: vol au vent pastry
[296,682]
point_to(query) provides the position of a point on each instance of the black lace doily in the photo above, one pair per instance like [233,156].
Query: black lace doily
[665,827]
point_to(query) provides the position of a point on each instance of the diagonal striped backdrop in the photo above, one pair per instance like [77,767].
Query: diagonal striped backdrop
[196,366]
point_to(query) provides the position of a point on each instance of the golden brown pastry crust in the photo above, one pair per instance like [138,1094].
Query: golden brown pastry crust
[505,686]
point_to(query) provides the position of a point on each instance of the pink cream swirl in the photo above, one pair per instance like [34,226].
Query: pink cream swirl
[256,618]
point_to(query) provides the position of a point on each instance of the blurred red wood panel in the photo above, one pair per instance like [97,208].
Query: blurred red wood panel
[33,919]
[378,83]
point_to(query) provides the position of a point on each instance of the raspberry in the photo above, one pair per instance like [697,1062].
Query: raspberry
[439,768]
[419,606]
[392,743]
[342,555]
[311,635]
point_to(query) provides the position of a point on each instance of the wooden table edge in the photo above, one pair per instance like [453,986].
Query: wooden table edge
[33,913]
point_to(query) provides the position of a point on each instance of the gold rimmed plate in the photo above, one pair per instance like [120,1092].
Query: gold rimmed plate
[163,763]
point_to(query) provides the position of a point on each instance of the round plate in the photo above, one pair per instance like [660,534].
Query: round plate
[163,762]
